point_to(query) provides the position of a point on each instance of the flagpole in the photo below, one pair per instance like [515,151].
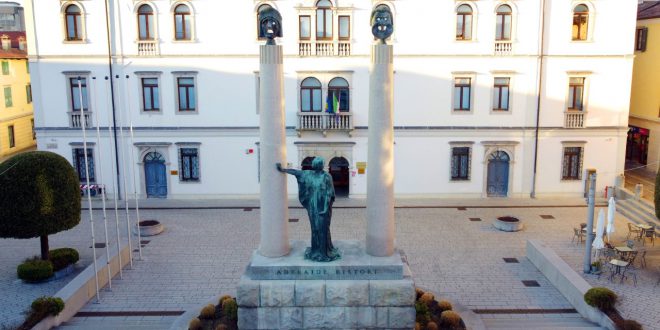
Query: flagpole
[83,126]
[105,216]
[123,162]
[114,185]
[132,157]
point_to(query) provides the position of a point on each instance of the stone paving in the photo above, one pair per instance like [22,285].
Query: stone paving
[203,252]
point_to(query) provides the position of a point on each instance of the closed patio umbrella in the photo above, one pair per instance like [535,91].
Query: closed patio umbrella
[611,209]
[600,227]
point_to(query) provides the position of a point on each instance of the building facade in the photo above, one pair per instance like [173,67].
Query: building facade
[16,119]
[491,98]
[643,146]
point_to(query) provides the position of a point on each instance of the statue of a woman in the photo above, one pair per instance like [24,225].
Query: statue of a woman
[316,194]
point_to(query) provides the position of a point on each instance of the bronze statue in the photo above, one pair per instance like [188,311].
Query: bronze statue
[382,25]
[316,194]
[270,24]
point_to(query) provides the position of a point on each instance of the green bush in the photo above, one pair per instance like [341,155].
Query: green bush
[601,298]
[35,270]
[631,325]
[40,309]
[40,196]
[63,257]
[422,313]
[230,309]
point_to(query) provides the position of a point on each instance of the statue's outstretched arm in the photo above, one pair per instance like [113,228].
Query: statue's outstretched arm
[287,170]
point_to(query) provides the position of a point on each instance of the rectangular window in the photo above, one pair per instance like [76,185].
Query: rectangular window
[324,24]
[28,92]
[79,164]
[34,133]
[150,94]
[572,163]
[460,163]
[462,91]
[8,100]
[344,27]
[501,94]
[5,68]
[186,93]
[189,164]
[640,39]
[305,23]
[10,130]
[575,93]
[75,88]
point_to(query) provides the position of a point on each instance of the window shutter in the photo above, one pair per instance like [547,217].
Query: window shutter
[643,37]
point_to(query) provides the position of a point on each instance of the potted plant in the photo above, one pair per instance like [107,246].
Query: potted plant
[596,266]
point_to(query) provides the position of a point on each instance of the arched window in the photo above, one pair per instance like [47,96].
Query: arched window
[182,25]
[503,23]
[338,89]
[580,22]
[146,23]
[310,95]
[464,22]
[73,23]
[324,20]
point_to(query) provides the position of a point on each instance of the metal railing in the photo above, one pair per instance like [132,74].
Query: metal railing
[324,122]
[324,48]
[148,48]
[503,47]
[574,119]
[75,119]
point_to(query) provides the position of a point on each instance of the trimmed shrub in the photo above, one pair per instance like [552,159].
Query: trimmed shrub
[418,293]
[195,324]
[35,270]
[221,327]
[601,298]
[40,196]
[445,305]
[422,313]
[40,309]
[230,309]
[208,312]
[61,258]
[450,320]
[431,326]
[223,298]
[631,325]
[427,298]
[418,326]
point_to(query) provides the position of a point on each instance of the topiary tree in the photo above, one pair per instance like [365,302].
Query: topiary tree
[39,196]
[657,194]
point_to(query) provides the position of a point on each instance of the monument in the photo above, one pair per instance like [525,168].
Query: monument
[323,284]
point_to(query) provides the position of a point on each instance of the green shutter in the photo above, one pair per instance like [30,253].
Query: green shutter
[5,68]
[8,101]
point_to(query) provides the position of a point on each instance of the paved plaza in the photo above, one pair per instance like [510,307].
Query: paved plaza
[203,252]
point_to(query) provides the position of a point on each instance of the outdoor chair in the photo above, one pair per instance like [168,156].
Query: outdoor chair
[642,259]
[630,243]
[629,271]
[649,234]
[631,257]
[609,254]
[632,229]
[577,232]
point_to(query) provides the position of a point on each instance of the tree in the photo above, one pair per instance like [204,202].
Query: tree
[657,194]
[39,196]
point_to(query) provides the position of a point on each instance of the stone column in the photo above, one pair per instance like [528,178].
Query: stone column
[380,161]
[272,147]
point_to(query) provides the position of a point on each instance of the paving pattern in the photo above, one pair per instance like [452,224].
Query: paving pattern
[203,252]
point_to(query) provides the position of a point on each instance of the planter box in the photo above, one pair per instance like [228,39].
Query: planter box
[508,224]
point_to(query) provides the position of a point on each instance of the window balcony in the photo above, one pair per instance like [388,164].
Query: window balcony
[75,119]
[148,48]
[503,47]
[324,122]
[324,48]
[574,119]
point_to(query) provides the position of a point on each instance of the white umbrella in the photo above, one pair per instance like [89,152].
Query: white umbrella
[598,242]
[611,209]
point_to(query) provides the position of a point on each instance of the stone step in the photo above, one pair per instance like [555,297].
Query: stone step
[114,323]
[637,212]
[529,322]
[640,206]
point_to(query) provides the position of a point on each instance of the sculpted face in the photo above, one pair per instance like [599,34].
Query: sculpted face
[382,26]
[270,24]
[270,27]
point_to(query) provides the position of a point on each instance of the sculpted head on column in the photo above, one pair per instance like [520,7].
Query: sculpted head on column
[270,24]
[382,25]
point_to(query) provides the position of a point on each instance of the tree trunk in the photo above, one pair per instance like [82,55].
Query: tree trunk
[44,247]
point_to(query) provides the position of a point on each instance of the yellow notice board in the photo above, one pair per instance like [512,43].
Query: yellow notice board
[361,166]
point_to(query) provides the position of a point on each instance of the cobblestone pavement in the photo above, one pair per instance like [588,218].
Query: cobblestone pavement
[203,253]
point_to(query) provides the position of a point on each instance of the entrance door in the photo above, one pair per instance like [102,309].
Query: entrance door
[155,176]
[498,174]
[339,172]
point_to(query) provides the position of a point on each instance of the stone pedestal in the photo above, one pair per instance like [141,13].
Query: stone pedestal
[358,291]
[380,159]
[274,239]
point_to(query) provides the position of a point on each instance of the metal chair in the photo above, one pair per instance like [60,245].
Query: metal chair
[642,259]
[630,243]
[631,257]
[633,229]
[649,233]
[629,271]
[577,232]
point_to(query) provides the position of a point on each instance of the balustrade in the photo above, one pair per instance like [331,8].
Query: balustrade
[316,121]
[574,119]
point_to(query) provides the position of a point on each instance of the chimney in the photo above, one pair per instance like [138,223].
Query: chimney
[6,42]
[22,44]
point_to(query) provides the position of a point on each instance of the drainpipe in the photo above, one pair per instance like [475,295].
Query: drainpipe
[112,95]
[539,89]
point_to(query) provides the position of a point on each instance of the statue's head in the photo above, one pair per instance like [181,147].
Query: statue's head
[382,25]
[270,23]
[317,164]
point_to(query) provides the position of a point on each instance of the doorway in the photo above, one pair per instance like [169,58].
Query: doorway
[339,170]
[155,175]
[498,174]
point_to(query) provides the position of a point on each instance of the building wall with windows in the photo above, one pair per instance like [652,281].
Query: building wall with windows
[16,117]
[185,77]
[644,140]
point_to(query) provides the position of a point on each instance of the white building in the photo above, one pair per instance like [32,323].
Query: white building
[468,117]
